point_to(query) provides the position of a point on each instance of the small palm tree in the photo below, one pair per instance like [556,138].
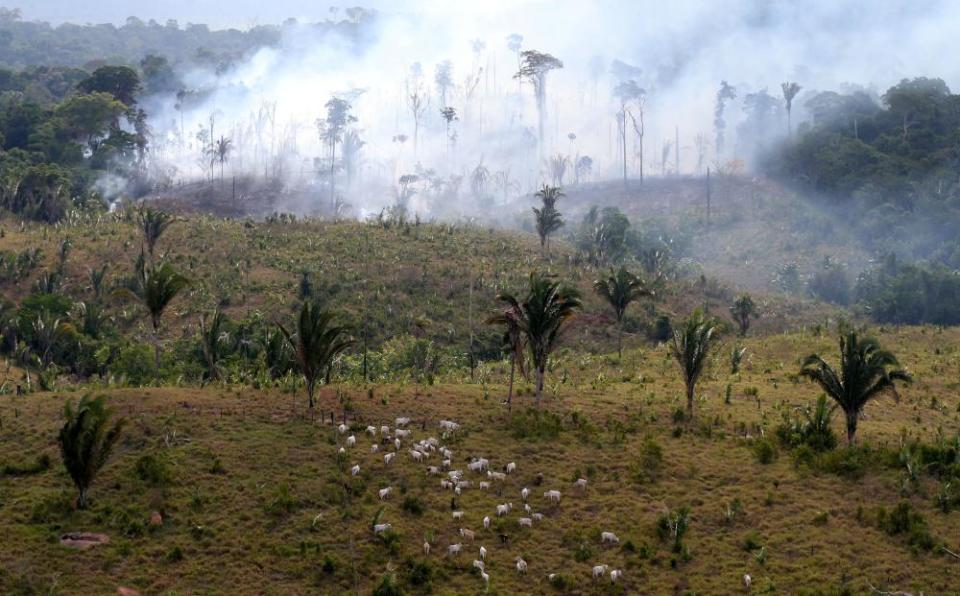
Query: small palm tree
[510,318]
[316,343]
[863,375]
[620,290]
[548,220]
[156,287]
[153,223]
[691,347]
[790,91]
[742,310]
[212,337]
[86,440]
[542,316]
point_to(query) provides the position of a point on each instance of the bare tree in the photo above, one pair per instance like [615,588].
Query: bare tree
[418,101]
[631,98]
[443,78]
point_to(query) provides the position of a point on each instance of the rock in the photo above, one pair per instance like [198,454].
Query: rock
[156,520]
[83,540]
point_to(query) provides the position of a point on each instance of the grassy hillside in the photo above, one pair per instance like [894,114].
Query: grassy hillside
[253,499]
[410,279]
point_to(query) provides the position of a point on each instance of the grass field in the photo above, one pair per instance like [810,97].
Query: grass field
[253,499]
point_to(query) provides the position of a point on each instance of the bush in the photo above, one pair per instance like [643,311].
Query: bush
[413,505]
[812,428]
[152,470]
[41,464]
[764,450]
[646,468]
[535,424]
[904,520]
[388,587]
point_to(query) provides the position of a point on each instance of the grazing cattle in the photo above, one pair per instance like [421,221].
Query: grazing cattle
[454,549]
[351,441]
[372,431]
[483,553]
[457,515]
[747,581]
[504,509]
[384,430]
[403,421]
[581,483]
[599,570]
[426,548]
[525,522]
[477,564]
[388,457]
[342,429]
[486,522]
[468,534]
[553,495]
[537,517]
[383,493]
[433,471]
[496,476]
[524,493]
[381,528]
[484,485]
[609,537]
[511,467]
[416,455]
[355,470]
[615,575]
[374,448]
[521,565]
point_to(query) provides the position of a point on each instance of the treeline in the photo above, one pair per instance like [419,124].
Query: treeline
[888,165]
[53,154]
[24,44]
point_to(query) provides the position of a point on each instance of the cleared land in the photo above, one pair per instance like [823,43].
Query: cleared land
[253,499]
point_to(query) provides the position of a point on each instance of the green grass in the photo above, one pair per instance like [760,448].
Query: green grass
[253,498]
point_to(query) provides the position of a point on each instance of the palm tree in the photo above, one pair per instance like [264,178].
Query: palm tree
[790,91]
[86,440]
[547,218]
[510,318]
[619,290]
[542,317]
[691,346]
[863,375]
[221,152]
[742,310]
[316,343]
[153,223]
[156,287]
[212,336]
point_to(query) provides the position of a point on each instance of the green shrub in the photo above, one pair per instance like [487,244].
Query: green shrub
[646,468]
[765,450]
[904,520]
[535,424]
[153,470]
[40,464]
[413,505]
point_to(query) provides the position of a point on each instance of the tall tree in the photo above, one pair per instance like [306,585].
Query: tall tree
[316,343]
[221,152]
[724,94]
[548,220]
[631,98]
[866,371]
[619,290]
[122,82]
[86,440]
[691,347]
[510,318]
[443,78]
[542,316]
[534,66]
[790,91]
[331,131]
